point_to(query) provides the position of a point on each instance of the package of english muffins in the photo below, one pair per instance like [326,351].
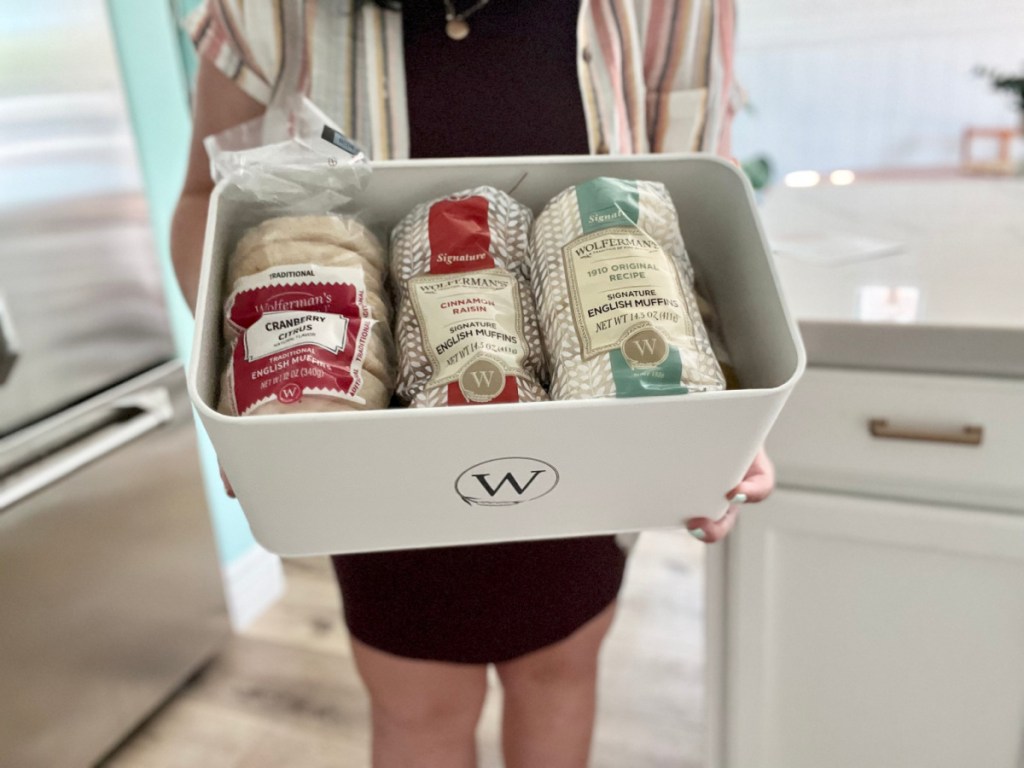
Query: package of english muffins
[307,317]
[460,351]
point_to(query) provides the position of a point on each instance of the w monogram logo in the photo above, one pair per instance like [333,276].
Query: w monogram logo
[289,393]
[511,480]
[483,379]
[508,481]
[645,348]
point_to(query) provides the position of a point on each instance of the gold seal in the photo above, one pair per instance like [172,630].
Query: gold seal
[645,348]
[482,381]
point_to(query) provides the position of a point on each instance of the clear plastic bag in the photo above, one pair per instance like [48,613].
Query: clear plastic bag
[292,156]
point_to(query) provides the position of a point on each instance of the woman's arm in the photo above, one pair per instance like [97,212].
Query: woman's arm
[219,105]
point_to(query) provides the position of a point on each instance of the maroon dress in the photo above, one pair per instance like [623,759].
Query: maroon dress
[510,88]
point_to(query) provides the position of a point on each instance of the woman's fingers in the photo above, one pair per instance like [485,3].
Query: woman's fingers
[710,531]
[758,483]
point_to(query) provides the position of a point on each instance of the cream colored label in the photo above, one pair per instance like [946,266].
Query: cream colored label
[466,315]
[621,281]
[277,331]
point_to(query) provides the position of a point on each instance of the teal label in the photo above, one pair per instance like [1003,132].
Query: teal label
[663,379]
[607,203]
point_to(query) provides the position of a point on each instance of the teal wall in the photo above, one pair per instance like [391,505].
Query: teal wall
[154,69]
[180,9]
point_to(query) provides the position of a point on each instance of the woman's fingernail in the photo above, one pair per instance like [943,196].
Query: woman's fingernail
[739,498]
[697,533]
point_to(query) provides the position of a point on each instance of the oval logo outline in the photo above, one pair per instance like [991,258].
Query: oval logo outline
[519,484]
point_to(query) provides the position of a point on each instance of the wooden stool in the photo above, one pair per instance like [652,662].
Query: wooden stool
[1003,136]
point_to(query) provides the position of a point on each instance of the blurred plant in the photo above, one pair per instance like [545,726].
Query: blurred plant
[1001,81]
[759,170]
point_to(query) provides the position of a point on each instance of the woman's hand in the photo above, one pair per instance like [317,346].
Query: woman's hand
[756,486]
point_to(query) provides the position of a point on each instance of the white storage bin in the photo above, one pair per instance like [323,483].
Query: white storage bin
[395,479]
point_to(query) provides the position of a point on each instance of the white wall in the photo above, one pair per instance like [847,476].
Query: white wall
[871,83]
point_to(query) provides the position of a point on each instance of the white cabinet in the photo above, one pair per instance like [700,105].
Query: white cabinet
[859,631]
[874,634]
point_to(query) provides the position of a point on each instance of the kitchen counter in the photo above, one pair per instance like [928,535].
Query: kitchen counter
[907,274]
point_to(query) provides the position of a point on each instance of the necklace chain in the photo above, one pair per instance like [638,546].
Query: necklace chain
[450,14]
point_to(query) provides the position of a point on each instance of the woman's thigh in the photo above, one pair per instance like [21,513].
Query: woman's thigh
[571,660]
[414,693]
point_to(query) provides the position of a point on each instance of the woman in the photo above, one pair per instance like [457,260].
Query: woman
[455,79]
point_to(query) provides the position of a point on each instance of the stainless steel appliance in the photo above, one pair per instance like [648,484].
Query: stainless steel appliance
[110,590]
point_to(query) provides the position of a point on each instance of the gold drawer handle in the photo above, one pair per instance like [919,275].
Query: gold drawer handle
[968,435]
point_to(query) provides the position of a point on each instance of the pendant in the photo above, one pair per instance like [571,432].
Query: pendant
[457,28]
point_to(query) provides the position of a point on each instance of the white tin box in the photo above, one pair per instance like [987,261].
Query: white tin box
[405,478]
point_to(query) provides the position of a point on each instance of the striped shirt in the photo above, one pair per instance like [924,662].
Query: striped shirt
[655,75]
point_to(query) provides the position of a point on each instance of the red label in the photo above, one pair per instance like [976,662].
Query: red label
[328,359]
[510,394]
[248,306]
[460,238]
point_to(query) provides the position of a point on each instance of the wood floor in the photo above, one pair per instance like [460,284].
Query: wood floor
[285,693]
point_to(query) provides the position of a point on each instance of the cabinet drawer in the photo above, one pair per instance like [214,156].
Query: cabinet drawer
[915,436]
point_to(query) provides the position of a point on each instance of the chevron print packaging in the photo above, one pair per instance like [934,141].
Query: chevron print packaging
[614,289]
[466,326]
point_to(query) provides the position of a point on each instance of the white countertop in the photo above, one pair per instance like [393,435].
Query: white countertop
[905,273]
